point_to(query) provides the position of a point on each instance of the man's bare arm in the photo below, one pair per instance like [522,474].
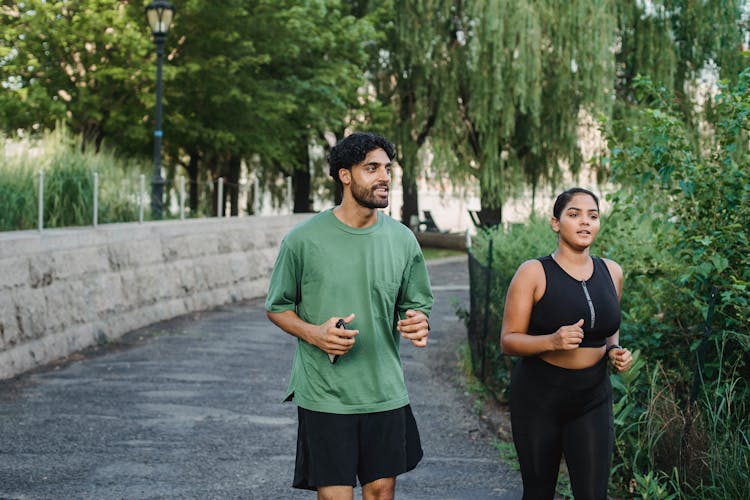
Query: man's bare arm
[326,336]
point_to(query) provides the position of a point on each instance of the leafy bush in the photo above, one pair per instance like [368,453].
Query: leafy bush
[678,225]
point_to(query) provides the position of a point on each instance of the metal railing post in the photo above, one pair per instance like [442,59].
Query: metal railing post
[182,197]
[220,198]
[256,196]
[40,202]
[487,297]
[141,197]
[289,195]
[96,199]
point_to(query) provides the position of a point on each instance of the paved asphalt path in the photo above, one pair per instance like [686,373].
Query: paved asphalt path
[191,409]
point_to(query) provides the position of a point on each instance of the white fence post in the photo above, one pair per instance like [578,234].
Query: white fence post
[182,197]
[141,196]
[256,196]
[289,194]
[40,202]
[220,198]
[96,199]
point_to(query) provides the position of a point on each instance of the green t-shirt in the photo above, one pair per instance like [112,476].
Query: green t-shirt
[327,269]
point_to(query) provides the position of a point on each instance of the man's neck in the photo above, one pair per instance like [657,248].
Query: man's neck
[355,215]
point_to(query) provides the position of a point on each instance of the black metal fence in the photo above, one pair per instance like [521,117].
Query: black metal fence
[487,296]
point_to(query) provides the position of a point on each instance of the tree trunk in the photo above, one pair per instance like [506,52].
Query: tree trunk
[490,217]
[409,172]
[301,182]
[192,171]
[301,185]
[410,206]
[491,214]
[212,165]
[232,187]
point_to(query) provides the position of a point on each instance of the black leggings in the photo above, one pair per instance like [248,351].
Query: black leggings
[556,411]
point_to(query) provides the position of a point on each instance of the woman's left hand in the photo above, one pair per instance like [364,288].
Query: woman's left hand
[621,359]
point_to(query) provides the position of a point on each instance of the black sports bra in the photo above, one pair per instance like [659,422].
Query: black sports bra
[567,300]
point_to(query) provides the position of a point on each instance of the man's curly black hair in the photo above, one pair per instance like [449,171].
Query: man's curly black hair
[353,149]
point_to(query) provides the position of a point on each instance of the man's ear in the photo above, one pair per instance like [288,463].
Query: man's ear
[345,176]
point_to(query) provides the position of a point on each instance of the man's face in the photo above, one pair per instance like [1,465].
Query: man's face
[371,180]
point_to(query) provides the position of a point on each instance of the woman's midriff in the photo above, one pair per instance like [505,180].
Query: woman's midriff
[576,359]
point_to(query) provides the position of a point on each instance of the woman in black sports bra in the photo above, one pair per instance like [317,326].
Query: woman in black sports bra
[562,316]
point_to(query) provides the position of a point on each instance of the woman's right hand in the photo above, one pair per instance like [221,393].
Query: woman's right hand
[568,337]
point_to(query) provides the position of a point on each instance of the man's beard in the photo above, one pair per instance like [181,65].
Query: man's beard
[366,197]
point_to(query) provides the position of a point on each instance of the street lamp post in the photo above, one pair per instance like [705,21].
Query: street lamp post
[159,14]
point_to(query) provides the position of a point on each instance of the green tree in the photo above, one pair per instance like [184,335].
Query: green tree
[320,71]
[676,44]
[82,63]
[210,92]
[522,75]
[270,83]
[409,68]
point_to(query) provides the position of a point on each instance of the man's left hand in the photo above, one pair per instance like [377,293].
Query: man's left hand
[415,327]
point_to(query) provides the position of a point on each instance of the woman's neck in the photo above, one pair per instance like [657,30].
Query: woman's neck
[571,256]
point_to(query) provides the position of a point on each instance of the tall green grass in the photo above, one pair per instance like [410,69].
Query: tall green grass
[18,201]
[68,184]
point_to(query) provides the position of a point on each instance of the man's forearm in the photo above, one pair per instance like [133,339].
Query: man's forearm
[292,324]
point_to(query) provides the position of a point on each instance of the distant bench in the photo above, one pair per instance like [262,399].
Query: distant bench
[424,225]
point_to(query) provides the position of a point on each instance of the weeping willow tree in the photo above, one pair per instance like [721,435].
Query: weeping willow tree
[410,74]
[499,87]
[678,44]
[521,76]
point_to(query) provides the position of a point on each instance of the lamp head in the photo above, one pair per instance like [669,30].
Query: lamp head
[159,14]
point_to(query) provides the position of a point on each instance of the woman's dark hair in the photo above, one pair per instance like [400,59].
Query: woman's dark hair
[564,197]
[353,149]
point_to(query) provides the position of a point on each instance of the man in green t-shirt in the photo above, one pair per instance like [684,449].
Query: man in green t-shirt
[348,283]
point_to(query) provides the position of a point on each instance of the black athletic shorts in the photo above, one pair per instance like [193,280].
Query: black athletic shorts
[335,450]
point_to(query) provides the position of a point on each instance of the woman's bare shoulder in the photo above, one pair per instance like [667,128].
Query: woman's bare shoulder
[614,268]
[530,271]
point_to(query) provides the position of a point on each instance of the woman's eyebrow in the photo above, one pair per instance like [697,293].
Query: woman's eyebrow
[580,209]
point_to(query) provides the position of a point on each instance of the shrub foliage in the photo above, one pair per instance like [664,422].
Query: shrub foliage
[678,225]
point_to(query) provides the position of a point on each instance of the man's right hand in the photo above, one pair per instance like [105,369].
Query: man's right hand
[332,340]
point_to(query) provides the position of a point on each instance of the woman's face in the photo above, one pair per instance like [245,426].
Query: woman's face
[579,222]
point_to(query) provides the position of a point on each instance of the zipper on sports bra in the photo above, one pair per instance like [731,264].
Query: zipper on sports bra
[591,304]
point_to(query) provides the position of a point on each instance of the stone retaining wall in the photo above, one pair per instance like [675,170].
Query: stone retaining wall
[66,289]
